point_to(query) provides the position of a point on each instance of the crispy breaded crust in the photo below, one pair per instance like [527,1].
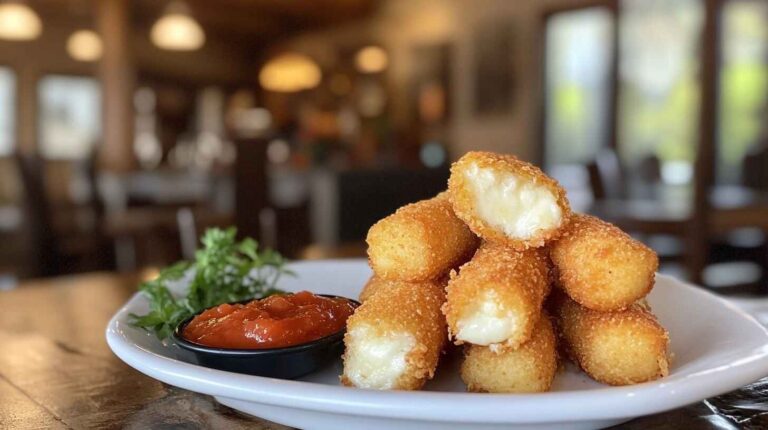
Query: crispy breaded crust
[371,287]
[404,307]
[464,203]
[602,267]
[520,280]
[376,284]
[527,369]
[617,348]
[420,241]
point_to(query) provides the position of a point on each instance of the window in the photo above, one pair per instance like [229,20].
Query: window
[743,85]
[577,80]
[659,89]
[69,116]
[7,110]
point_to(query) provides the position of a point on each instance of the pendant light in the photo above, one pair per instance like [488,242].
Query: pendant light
[19,22]
[290,72]
[177,30]
[84,45]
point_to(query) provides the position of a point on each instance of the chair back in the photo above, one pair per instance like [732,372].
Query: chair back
[606,177]
[192,224]
[755,168]
[44,259]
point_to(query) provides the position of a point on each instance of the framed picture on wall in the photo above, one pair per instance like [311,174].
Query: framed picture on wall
[493,67]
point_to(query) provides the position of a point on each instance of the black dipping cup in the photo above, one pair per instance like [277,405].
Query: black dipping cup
[286,363]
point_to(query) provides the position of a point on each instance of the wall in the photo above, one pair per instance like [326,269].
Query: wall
[401,24]
[216,62]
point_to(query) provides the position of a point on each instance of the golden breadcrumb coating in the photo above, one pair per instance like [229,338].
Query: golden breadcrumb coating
[600,266]
[520,201]
[496,298]
[617,348]
[420,241]
[373,285]
[528,369]
[376,283]
[402,326]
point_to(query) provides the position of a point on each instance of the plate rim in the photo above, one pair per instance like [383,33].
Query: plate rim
[603,403]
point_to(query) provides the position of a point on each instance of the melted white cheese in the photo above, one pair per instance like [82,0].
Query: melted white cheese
[516,206]
[486,322]
[376,361]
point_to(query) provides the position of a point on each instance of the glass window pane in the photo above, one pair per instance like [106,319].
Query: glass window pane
[658,85]
[7,110]
[578,50]
[69,115]
[743,85]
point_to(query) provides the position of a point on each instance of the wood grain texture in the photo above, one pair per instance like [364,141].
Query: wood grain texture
[19,410]
[56,370]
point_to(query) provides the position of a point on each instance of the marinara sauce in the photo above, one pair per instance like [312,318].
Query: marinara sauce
[274,322]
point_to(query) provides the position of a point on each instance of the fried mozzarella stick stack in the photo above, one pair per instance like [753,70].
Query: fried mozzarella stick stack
[394,339]
[600,266]
[503,199]
[617,348]
[420,241]
[496,298]
[528,369]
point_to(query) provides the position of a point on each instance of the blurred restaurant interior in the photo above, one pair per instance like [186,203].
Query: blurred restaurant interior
[128,127]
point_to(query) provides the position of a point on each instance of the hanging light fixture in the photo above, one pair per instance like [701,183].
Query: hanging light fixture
[84,45]
[19,22]
[177,30]
[290,73]
[371,59]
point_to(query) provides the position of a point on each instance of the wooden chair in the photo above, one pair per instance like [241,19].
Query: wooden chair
[606,177]
[285,229]
[192,225]
[755,168]
[44,258]
[649,169]
[747,244]
[55,251]
[608,183]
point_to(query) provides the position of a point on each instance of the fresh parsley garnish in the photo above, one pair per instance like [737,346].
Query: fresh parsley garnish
[224,271]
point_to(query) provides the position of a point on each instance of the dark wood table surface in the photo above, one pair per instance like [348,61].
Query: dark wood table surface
[56,370]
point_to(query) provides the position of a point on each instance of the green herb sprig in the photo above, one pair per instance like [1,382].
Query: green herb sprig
[224,271]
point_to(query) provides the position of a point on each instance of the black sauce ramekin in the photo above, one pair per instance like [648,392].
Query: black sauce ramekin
[285,363]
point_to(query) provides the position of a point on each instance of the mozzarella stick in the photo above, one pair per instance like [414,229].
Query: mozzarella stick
[600,266]
[376,283]
[394,339]
[617,348]
[527,369]
[373,285]
[420,241]
[496,297]
[503,199]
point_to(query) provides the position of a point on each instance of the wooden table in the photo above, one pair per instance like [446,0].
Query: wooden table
[56,370]
[671,211]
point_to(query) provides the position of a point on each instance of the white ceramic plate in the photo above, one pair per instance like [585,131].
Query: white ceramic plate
[716,347]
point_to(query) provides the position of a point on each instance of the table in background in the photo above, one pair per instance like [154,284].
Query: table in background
[56,370]
[669,210]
